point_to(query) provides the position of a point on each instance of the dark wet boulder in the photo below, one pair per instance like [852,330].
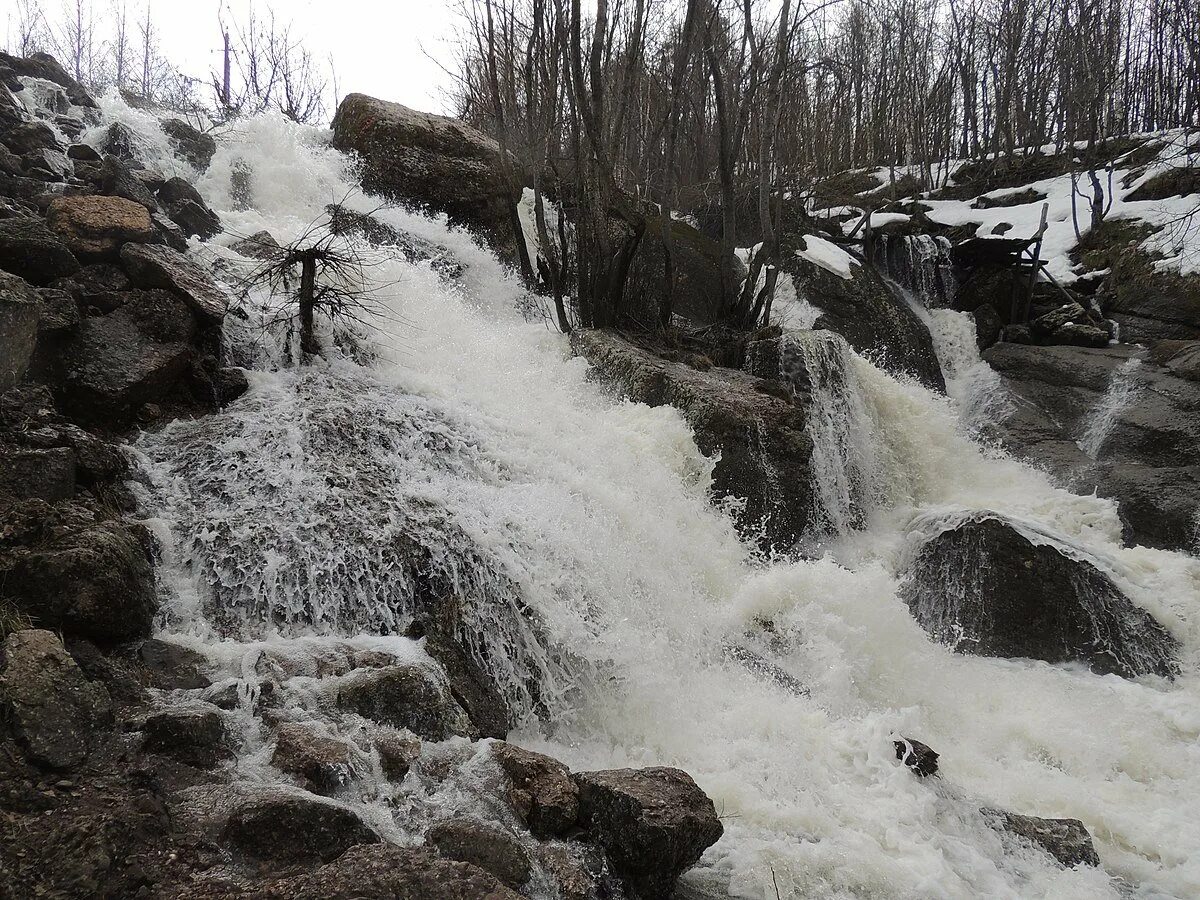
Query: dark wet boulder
[31,250]
[117,179]
[190,144]
[46,67]
[120,141]
[196,737]
[58,313]
[187,209]
[29,138]
[157,266]
[1067,840]
[101,286]
[322,764]
[985,588]
[921,758]
[260,245]
[170,666]
[84,153]
[96,227]
[93,582]
[141,353]
[540,790]
[52,709]
[47,165]
[868,313]
[388,872]
[42,473]
[487,846]
[429,160]
[404,696]
[20,312]
[653,824]
[755,425]
[295,828]
[397,750]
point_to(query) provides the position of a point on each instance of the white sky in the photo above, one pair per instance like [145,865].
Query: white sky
[379,47]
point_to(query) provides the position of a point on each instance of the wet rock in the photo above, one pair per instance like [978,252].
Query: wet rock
[486,846]
[32,251]
[193,736]
[988,326]
[541,790]
[388,872]
[58,313]
[296,828]
[49,165]
[1082,334]
[36,473]
[136,355]
[1067,840]
[170,233]
[765,450]
[985,588]
[379,234]
[191,145]
[322,764]
[29,138]
[46,67]
[194,219]
[653,823]
[162,267]
[172,666]
[405,697]
[118,180]
[95,582]
[102,286]
[84,152]
[1180,358]
[54,710]
[96,227]
[921,758]
[428,160]
[260,245]
[120,141]
[20,311]
[397,752]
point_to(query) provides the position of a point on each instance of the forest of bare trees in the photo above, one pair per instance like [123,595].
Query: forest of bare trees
[261,63]
[725,104]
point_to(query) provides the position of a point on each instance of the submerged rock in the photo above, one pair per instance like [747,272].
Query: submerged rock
[653,823]
[190,144]
[404,696]
[53,709]
[921,758]
[985,588]
[295,828]
[1067,840]
[323,764]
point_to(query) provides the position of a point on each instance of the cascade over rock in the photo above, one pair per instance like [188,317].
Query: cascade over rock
[984,588]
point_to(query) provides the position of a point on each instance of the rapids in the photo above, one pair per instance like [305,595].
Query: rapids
[464,425]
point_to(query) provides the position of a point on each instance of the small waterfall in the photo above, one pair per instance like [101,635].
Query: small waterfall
[1124,385]
[921,263]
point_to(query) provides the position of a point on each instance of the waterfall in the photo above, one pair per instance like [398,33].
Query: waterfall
[1124,385]
[606,588]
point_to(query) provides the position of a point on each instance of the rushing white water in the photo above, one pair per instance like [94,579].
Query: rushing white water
[472,433]
[1123,387]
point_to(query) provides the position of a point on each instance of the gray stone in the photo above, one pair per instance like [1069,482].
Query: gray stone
[541,790]
[37,473]
[486,846]
[196,737]
[20,310]
[172,666]
[58,313]
[404,697]
[54,710]
[296,828]
[1067,840]
[323,764]
[260,245]
[29,138]
[986,589]
[653,823]
[193,146]
[162,267]
[32,251]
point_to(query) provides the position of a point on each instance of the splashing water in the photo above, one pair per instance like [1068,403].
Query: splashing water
[1124,385]
[583,526]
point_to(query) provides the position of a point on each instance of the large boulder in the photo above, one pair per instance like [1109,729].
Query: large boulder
[755,424]
[488,846]
[388,872]
[20,310]
[405,696]
[196,737]
[322,764]
[95,582]
[96,227]
[138,354]
[187,209]
[42,473]
[46,67]
[1067,840]
[540,790]
[294,828]
[868,312]
[30,137]
[1113,420]
[653,824]
[53,710]
[31,250]
[987,589]
[431,161]
[157,266]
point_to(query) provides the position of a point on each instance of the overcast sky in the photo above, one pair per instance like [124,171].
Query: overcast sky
[380,47]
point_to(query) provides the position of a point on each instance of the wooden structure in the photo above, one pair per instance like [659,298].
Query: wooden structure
[1023,255]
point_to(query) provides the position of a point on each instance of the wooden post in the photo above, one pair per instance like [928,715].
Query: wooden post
[308,289]
[1037,253]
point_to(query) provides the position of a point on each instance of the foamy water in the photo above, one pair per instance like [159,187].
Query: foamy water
[474,432]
